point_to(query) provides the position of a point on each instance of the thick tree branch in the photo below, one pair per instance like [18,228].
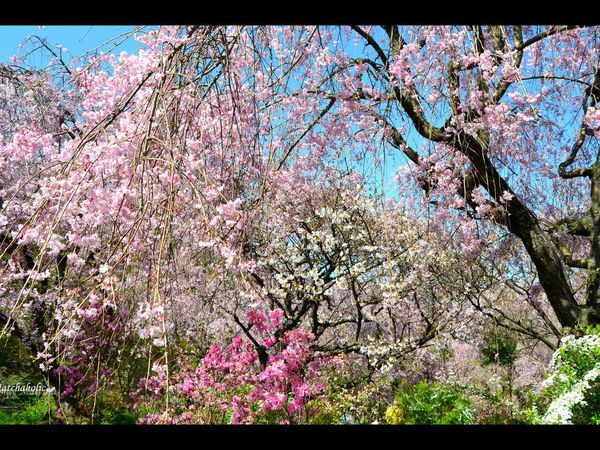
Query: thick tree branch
[581,226]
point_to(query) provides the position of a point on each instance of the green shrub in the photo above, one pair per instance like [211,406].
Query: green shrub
[37,411]
[572,387]
[429,404]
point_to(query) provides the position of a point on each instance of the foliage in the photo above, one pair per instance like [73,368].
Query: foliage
[499,348]
[18,407]
[573,383]
[429,404]
[36,411]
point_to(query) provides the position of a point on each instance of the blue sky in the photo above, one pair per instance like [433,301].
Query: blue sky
[76,39]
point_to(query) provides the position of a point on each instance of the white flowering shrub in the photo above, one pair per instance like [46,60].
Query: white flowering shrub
[573,383]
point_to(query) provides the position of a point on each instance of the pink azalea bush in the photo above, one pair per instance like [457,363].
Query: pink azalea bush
[230,386]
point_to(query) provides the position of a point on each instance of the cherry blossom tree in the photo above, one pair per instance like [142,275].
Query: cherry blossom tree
[495,106]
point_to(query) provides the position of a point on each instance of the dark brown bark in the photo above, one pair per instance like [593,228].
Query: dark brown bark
[524,224]
[593,282]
